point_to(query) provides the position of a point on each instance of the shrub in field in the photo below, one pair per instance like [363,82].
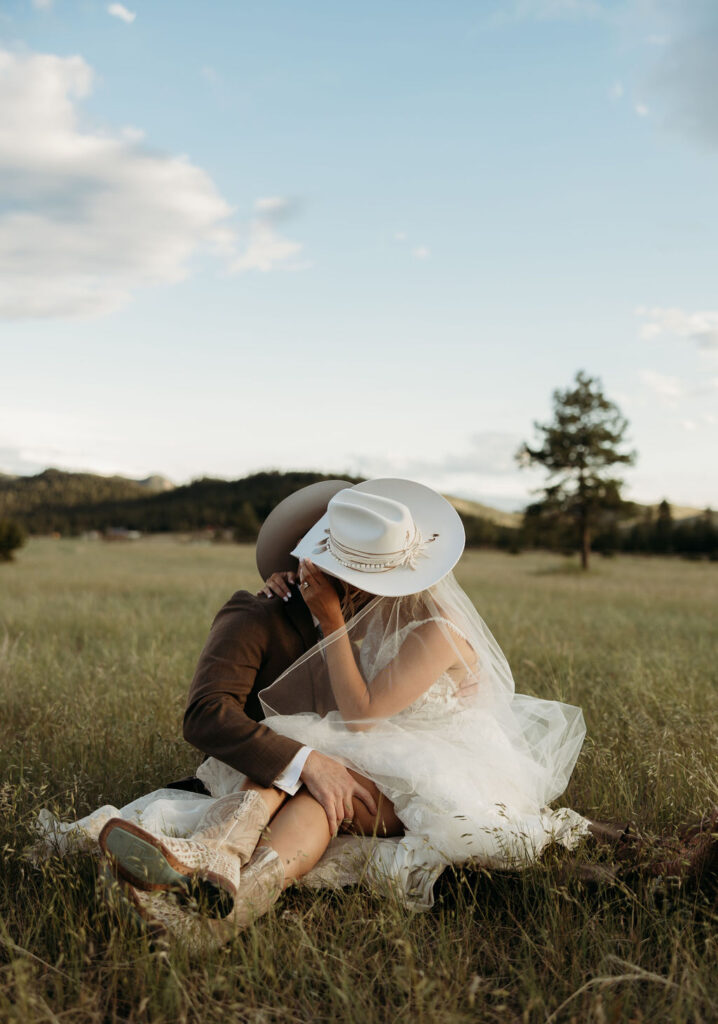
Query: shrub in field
[12,536]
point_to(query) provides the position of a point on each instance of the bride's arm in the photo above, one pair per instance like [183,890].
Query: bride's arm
[424,656]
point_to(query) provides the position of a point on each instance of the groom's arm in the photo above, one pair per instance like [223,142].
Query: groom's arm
[216,719]
[217,723]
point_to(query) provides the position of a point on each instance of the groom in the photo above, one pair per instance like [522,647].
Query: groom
[253,640]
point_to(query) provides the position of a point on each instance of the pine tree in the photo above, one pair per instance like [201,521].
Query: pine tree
[663,535]
[577,449]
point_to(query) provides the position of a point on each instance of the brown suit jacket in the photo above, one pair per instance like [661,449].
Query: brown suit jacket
[251,642]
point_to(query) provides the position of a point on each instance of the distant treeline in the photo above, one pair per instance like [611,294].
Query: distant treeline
[658,533]
[628,528]
[72,504]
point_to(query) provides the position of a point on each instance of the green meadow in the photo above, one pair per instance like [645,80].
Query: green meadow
[97,647]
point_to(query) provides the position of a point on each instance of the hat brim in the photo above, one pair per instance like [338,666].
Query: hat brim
[289,521]
[432,515]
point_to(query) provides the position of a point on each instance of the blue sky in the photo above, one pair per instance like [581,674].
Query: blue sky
[367,238]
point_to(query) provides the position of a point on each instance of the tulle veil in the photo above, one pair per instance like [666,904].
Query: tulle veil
[469,729]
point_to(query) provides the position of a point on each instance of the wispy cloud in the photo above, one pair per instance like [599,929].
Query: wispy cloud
[683,71]
[672,46]
[121,12]
[267,249]
[487,453]
[419,250]
[272,204]
[700,327]
[89,217]
[663,385]
[483,469]
[675,393]
[42,5]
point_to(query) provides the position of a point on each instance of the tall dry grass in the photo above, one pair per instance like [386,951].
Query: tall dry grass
[97,646]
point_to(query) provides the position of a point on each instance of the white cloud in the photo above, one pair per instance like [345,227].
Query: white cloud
[421,252]
[700,327]
[616,91]
[266,248]
[88,216]
[672,46]
[132,133]
[488,453]
[682,74]
[121,12]
[271,204]
[42,5]
[664,386]
[400,236]
[641,109]
[483,469]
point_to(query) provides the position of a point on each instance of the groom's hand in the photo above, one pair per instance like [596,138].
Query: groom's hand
[334,788]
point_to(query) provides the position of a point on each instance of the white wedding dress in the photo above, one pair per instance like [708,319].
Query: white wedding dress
[469,765]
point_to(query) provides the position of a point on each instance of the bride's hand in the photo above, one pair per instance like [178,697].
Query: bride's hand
[278,583]
[320,596]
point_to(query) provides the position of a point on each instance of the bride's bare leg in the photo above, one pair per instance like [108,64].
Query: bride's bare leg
[299,833]
[299,830]
[383,823]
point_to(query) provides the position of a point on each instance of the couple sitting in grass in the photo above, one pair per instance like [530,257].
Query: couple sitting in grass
[361,724]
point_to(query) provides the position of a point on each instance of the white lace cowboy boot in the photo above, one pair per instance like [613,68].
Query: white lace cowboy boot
[161,915]
[206,866]
[236,821]
[260,886]
[172,917]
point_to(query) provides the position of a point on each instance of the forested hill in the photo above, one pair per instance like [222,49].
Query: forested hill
[20,495]
[72,503]
[76,503]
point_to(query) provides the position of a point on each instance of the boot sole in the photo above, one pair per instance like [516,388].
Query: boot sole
[141,859]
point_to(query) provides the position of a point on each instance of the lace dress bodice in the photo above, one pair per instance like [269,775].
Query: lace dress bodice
[443,696]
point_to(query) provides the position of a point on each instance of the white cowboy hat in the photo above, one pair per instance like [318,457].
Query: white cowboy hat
[388,537]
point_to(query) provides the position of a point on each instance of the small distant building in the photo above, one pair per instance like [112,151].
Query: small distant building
[121,533]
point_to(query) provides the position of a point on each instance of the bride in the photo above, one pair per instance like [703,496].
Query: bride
[410,691]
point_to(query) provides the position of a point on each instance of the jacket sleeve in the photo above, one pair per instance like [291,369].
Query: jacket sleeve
[216,721]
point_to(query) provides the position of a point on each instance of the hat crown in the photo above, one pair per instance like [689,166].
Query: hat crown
[370,523]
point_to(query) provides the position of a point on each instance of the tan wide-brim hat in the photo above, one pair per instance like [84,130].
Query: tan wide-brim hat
[388,536]
[289,521]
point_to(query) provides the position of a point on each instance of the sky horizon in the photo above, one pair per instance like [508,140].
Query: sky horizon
[372,240]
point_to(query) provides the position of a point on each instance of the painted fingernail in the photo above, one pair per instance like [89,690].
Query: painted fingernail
[285,598]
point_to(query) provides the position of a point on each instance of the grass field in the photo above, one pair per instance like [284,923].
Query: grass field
[97,647]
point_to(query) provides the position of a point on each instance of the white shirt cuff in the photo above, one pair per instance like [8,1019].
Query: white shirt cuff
[289,779]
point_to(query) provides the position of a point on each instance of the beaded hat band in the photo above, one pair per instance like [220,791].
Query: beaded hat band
[369,561]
